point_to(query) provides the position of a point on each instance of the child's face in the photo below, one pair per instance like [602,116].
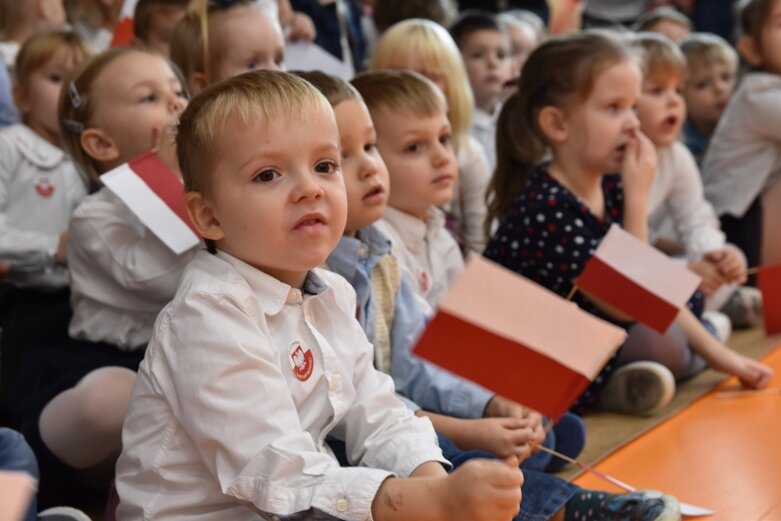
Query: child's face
[671,29]
[420,159]
[278,204]
[707,91]
[770,46]
[486,54]
[247,40]
[598,129]
[39,103]
[365,174]
[523,41]
[661,108]
[161,28]
[137,102]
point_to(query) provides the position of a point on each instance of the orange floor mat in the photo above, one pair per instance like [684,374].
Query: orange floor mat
[723,454]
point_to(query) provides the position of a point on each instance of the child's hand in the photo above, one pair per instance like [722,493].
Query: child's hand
[712,278]
[483,490]
[639,167]
[730,263]
[165,148]
[753,374]
[502,437]
[61,255]
[501,407]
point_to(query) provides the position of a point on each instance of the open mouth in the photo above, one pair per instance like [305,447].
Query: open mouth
[374,194]
[670,122]
[310,222]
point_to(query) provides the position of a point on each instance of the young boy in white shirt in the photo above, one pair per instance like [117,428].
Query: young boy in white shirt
[259,357]
[414,140]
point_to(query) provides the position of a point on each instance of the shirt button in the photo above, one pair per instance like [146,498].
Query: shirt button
[294,297]
[342,505]
[336,383]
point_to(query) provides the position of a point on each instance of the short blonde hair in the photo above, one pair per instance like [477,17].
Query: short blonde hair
[40,48]
[705,49]
[400,91]
[252,96]
[335,89]
[659,55]
[433,46]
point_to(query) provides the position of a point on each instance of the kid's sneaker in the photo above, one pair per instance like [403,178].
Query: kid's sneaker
[642,505]
[62,514]
[638,388]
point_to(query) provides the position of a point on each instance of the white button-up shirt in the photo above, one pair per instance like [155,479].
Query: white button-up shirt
[744,155]
[121,273]
[39,189]
[241,384]
[484,131]
[676,194]
[425,249]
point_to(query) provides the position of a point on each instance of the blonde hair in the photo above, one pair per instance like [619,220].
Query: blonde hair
[335,89]
[400,91]
[560,72]
[434,48]
[705,49]
[659,55]
[40,48]
[191,49]
[258,95]
[76,105]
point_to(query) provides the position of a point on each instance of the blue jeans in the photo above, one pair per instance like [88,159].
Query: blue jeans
[16,454]
[543,494]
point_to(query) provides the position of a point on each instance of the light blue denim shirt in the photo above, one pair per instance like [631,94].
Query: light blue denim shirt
[8,113]
[427,385]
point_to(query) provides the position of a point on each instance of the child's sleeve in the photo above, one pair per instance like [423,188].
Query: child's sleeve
[475,174]
[223,382]
[692,215]
[106,242]
[763,107]
[429,386]
[26,250]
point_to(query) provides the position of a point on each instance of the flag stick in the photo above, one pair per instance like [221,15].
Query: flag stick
[748,392]
[572,292]
[592,470]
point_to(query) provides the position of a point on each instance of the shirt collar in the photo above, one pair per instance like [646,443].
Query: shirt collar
[36,149]
[413,231]
[482,119]
[272,294]
[348,253]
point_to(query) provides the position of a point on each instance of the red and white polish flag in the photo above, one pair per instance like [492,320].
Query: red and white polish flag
[155,195]
[633,276]
[518,339]
[123,32]
[769,283]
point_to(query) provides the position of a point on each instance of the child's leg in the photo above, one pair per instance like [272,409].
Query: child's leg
[16,454]
[82,426]
[670,349]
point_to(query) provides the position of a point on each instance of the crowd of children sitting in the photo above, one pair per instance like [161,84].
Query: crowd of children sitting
[268,372]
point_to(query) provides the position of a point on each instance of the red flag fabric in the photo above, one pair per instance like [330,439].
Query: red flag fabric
[123,32]
[638,279]
[769,283]
[505,333]
[155,195]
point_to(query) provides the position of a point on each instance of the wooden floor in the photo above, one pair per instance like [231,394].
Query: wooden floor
[715,452]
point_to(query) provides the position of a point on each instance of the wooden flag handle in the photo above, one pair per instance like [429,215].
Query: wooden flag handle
[753,271]
[572,292]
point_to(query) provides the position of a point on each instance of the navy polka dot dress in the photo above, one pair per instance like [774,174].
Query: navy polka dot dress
[548,235]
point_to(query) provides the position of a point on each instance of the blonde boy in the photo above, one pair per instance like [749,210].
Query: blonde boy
[710,80]
[258,359]
[414,140]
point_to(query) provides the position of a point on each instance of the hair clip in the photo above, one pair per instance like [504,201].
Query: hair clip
[73,126]
[74,96]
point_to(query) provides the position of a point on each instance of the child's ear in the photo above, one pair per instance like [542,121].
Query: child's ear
[99,145]
[749,50]
[203,217]
[197,82]
[553,123]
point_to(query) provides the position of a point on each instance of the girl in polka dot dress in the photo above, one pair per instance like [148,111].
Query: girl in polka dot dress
[571,120]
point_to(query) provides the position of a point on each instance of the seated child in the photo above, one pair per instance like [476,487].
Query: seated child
[485,48]
[154,22]
[743,160]
[218,40]
[526,31]
[712,66]
[666,21]
[73,397]
[392,320]
[95,20]
[39,189]
[414,140]
[259,360]
[676,194]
